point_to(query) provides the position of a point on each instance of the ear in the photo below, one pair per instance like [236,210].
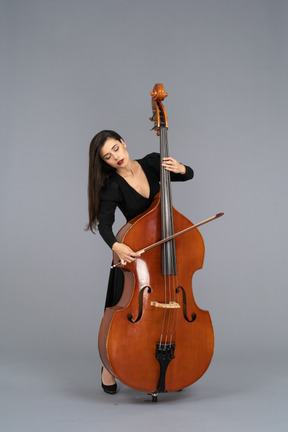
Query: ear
[124,144]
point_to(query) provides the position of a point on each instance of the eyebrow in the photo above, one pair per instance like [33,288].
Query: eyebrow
[106,154]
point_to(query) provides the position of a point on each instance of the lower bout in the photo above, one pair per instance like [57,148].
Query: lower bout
[135,364]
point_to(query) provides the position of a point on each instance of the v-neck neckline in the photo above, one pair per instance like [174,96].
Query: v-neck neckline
[131,187]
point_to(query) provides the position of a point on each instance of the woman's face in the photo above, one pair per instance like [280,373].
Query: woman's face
[114,153]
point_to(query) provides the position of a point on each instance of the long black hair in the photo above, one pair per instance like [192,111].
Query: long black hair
[99,174]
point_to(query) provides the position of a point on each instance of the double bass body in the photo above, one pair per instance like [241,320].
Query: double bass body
[157,315]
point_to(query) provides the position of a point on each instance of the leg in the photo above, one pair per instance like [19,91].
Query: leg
[107,378]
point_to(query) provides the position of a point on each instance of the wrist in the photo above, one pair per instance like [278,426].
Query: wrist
[182,169]
[114,245]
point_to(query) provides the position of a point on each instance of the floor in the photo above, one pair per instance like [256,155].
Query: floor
[64,394]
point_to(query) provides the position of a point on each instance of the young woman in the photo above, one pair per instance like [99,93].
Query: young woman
[117,181]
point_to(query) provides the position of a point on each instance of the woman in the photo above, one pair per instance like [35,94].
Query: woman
[117,181]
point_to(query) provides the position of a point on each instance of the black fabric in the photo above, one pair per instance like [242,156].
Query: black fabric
[115,287]
[118,193]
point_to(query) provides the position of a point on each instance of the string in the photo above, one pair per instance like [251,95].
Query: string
[169,270]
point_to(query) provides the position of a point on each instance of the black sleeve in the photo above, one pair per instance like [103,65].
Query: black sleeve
[153,160]
[109,199]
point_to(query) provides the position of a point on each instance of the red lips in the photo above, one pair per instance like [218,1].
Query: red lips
[120,162]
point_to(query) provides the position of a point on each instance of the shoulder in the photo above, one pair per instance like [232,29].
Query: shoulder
[152,159]
[151,164]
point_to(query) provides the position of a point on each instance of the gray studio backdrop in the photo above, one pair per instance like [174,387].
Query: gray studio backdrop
[70,69]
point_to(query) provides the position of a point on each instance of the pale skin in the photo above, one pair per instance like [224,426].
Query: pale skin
[114,153]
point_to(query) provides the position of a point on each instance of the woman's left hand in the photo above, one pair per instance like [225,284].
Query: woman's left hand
[171,164]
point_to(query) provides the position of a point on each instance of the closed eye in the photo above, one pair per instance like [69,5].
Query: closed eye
[115,148]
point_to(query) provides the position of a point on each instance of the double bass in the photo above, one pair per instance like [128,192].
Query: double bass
[156,339]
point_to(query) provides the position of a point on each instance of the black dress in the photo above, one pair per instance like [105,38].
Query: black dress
[118,193]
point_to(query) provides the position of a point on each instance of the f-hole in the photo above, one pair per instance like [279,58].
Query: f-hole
[140,308]
[193,315]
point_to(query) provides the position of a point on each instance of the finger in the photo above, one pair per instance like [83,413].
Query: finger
[134,254]
[167,165]
[169,168]
[170,165]
[131,258]
[170,160]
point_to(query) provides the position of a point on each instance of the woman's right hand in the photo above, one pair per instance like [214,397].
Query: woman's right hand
[124,252]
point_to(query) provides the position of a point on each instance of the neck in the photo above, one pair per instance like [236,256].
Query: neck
[129,170]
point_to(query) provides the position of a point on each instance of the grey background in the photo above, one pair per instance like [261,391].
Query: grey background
[71,68]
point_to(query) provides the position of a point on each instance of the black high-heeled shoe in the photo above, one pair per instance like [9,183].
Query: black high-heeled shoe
[110,389]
